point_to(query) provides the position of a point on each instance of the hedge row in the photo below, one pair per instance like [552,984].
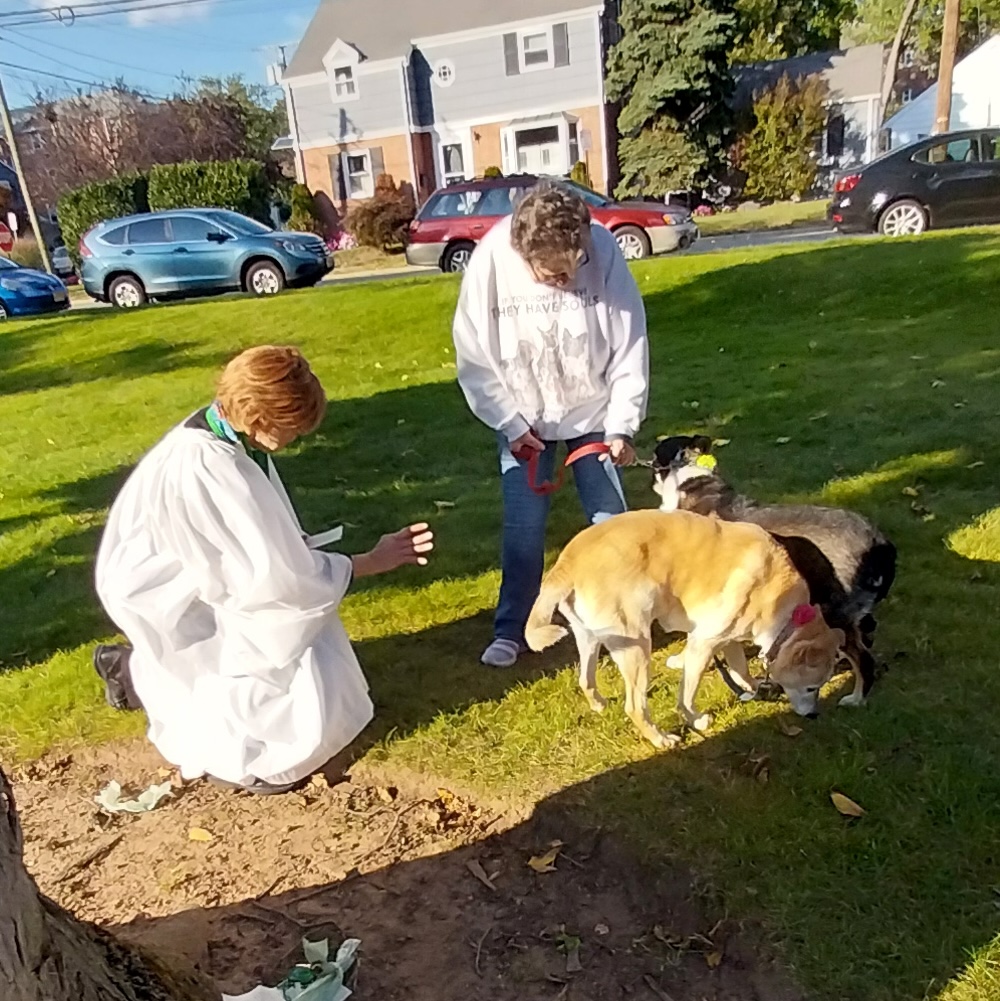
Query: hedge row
[240,185]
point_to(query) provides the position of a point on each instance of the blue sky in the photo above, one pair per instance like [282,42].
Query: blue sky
[149,49]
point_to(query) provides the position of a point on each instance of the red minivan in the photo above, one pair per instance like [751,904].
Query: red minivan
[454,219]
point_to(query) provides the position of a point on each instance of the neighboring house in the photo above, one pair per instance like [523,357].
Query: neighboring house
[854,79]
[975,99]
[912,78]
[437,93]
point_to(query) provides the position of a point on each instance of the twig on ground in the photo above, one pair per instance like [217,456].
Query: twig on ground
[97,855]
[656,989]
[270,889]
[281,915]
[479,949]
[392,833]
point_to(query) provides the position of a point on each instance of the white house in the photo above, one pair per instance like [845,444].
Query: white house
[975,99]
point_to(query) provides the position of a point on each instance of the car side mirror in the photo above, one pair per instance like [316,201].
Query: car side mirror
[218,237]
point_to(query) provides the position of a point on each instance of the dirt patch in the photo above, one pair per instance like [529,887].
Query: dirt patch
[439,889]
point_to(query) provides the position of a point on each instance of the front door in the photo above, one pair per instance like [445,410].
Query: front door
[200,261]
[541,151]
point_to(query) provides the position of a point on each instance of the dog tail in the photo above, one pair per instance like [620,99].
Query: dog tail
[540,632]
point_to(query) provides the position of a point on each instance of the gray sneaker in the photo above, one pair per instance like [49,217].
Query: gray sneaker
[501,653]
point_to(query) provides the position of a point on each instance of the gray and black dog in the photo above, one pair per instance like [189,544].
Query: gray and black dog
[847,562]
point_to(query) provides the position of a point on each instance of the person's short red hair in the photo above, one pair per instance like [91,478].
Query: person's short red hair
[270,387]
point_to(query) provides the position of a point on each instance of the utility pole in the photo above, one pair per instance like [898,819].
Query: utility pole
[293,121]
[8,128]
[946,70]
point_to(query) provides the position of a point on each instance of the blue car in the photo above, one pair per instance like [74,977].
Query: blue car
[188,252]
[26,292]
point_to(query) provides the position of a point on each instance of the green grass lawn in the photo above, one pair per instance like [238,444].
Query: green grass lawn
[864,374]
[780,215]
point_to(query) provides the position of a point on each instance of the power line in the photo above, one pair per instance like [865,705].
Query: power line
[70,13]
[102,84]
[83,55]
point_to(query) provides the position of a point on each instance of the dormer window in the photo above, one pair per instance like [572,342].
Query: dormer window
[344,85]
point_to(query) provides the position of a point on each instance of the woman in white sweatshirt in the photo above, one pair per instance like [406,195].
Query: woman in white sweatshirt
[550,337]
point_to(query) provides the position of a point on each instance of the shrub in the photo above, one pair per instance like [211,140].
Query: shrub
[26,253]
[382,221]
[492,173]
[778,152]
[81,209]
[240,185]
[581,175]
[304,217]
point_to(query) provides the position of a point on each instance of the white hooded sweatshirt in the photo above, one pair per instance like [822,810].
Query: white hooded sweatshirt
[561,361]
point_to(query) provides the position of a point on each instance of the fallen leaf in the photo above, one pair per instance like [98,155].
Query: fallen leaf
[820,416]
[164,773]
[937,384]
[782,441]
[721,442]
[602,930]
[813,345]
[573,964]
[911,492]
[200,834]
[50,441]
[444,505]
[975,465]
[789,729]
[846,806]
[960,405]
[480,873]
[387,795]
[917,357]
[546,862]
[763,775]
[713,959]
[378,364]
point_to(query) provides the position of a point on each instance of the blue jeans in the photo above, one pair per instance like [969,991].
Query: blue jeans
[522,551]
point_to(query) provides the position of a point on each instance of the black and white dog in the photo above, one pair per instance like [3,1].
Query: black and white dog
[847,562]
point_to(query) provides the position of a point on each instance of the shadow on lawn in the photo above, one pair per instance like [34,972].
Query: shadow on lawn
[27,365]
[858,377]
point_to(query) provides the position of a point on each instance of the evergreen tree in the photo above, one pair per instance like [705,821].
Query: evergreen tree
[670,70]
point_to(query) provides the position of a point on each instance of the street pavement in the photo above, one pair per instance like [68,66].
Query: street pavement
[706,245]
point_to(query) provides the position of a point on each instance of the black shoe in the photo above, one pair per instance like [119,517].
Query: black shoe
[111,661]
[256,788]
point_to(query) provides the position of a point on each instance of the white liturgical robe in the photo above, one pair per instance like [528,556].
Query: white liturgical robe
[239,656]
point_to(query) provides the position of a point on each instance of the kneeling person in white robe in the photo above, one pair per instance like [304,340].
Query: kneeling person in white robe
[237,653]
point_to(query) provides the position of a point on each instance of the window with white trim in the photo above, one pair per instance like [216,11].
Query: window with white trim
[453,163]
[907,95]
[535,49]
[345,87]
[358,177]
[907,58]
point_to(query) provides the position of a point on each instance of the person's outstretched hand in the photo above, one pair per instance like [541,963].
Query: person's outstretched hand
[407,546]
[622,452]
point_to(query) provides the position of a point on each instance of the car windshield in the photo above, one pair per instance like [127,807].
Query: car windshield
[592,198]
[240,224]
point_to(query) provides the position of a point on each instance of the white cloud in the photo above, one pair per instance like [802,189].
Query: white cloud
[139,18]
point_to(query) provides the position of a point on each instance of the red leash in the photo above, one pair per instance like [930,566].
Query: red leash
[529,455]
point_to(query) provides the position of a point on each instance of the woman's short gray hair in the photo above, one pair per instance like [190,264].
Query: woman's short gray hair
[550,221]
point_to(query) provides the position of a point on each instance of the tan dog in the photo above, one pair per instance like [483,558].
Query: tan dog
[722,583]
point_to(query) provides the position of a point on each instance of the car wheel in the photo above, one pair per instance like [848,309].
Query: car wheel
[634,243]
[457,257]
[4,312]
[127,292]
[265,278]
[903,218]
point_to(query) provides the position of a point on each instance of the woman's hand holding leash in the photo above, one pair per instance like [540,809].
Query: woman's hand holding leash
[527,443]
[622,452]
[408,546]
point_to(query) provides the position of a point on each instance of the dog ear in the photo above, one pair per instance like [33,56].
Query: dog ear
[703,444]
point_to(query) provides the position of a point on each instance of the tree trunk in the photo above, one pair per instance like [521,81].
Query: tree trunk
[892,64]
[47,955]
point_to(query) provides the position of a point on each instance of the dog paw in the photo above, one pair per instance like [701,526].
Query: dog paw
[676,662]
[664,741]
[597,703]
[702,723]
[853,700]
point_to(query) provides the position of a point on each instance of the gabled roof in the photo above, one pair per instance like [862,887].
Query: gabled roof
[383,29]
[849,73]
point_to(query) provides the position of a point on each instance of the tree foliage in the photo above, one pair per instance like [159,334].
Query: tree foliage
[304,217]
[877,20]
[240,185]
[95,137]
[670,70]
[84,207]
[781,29]
[777,154]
